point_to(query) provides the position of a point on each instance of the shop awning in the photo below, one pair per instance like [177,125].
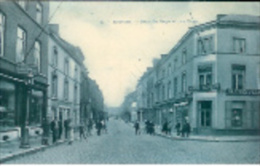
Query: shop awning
[180,104]
[6,86]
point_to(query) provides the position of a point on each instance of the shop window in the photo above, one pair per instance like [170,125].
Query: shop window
[236,117]
[2,30]
[35,111]
[20,45]
[205,113]
[239,45]
[205,76]
[238,77]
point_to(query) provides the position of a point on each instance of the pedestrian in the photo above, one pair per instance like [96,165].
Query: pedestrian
[46,130]
[60,128]
[82,132]
[187,129]
[178,127]
[152,130]
[54,129]
[90,126]
[98,127]
[66,127]
[137,128]
[71,132]
[165,127]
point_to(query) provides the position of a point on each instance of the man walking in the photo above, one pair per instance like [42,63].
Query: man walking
[137,128]
[54,128]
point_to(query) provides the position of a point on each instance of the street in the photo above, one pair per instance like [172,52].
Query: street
[121,146]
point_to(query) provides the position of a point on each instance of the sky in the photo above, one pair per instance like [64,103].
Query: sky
[120,39]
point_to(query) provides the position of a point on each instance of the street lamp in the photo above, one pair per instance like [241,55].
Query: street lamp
[24,128]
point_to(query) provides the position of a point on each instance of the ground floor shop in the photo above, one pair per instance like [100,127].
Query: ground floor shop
[21,104]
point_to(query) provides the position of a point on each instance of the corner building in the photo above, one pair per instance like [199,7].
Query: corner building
[211,78]
[23,67]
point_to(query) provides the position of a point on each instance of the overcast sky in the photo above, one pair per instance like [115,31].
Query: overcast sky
[120,39]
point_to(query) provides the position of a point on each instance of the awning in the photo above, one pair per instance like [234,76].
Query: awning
[6,86]
[3,109]
[180,104]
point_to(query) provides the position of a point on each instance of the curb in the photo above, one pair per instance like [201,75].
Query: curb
[29,151]
[205,140]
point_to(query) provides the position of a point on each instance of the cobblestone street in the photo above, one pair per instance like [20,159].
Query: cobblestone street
[121,146]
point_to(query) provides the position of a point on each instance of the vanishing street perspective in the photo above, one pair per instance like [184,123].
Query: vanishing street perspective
[129,82]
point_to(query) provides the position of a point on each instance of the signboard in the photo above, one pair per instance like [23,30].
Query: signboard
[204,88]
[243,92]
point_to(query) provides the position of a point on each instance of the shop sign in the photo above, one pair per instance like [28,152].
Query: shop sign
[203,88]
[243,92]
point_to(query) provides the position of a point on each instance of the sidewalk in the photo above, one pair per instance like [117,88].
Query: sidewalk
[10,150]
[210,138]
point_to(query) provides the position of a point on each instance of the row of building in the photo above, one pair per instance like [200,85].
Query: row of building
[42,76]
[210,78]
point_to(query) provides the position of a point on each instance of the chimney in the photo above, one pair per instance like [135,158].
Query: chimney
[54,28]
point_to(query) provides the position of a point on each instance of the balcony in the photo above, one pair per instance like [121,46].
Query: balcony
[204,88]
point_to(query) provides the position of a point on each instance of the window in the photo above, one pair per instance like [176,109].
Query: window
[205,76]
[163,73]
[37,55]
[205,113]
[238,77]
[175,63]
[54,85]
[169,69]
[66,66]
[2,30]
[239,45]
[236,117]
[205,45]
[66,89]
[169,90]
[55,56]
[20,45]
[184,82]
[175,86]
[38,12]
[163,92]
[22,3]
[75,94]
[184,56]
[76,73]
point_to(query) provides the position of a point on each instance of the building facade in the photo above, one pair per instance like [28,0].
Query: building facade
[64,77]
[23,66]
[209,78]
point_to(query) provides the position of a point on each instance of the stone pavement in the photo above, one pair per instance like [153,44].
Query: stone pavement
[11,149]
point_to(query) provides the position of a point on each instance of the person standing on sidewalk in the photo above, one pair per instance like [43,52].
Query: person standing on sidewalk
[178,128]
[54,128]
[82,132]
[70,131]
[46,130]
[137,128]
[66,127]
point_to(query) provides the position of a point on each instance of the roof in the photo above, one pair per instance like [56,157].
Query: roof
[74,51]
[240,18]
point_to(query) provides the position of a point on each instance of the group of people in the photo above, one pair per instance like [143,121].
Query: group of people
[57,127]
[182,130]
[149,127]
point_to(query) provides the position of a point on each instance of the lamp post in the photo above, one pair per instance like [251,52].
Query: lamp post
[24,128]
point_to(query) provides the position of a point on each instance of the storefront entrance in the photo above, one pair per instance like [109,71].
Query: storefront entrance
[205,114]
